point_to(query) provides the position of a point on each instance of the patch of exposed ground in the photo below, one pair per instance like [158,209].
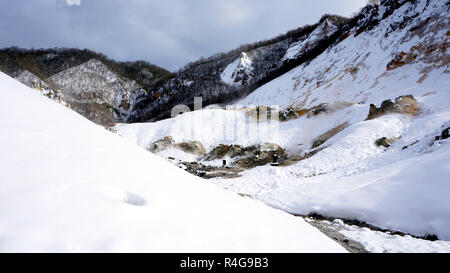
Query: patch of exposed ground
[334,233]
[236,158]
[329,134]
[386,142]
[208,172]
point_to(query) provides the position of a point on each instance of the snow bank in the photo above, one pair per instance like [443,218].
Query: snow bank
[69,185]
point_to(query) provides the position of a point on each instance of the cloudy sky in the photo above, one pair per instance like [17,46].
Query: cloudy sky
[168,33]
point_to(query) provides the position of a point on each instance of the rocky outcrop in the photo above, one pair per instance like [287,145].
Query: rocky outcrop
[291,113]
[444,134]
[194,147]
[385,142]
[225,151]
[208,172]
[259,155]
[321,108]
[248,157]
[402,105]
[161,144]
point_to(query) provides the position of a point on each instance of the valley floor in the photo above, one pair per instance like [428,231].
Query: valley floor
[401,187]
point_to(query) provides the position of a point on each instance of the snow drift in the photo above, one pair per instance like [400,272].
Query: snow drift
[69,185]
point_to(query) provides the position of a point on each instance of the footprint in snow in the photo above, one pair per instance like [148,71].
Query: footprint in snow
[124,196]
[134,199]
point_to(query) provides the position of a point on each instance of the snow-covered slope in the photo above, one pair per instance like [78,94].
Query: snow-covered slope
[98,93]
[33,81]
[238,72]
[405,52]
[70,185]
[323,31]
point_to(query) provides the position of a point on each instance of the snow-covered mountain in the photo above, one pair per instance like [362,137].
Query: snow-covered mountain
[221,78]
[362,133]
[70,185]
[100,89]
[378,39]
[322,32]
[238,72]
[95,86]
[405,50]
[226,77]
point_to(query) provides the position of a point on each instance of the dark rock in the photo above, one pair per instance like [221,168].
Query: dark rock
[208,172]
[218,152]
[259,155]
[431,237]
[403,104]
[287,114]
[409,145]
[383,142]
[386,106]
[444,134]
[225,150]
[321,108]
[386,142]
[291,113]
[234,151]
[317,143]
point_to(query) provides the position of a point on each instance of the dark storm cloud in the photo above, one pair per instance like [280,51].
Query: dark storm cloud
[168,33]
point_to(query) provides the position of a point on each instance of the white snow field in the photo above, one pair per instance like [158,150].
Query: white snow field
[68,185]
